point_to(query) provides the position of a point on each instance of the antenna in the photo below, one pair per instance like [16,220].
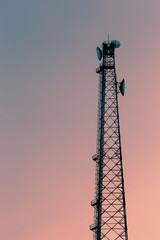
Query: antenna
[116,43]
[122,87]
[99,53]
[108,38]
[110,221]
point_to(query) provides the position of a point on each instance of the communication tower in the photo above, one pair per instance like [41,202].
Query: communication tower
[109,202]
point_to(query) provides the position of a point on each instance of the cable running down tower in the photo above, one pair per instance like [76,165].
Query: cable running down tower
[109,203]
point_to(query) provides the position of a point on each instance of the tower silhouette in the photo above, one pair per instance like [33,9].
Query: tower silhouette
[109,202]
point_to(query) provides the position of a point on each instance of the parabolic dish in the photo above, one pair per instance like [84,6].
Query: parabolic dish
[116,43]
[122,87]
[99,53]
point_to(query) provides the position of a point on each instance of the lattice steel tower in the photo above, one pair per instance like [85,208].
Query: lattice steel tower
[109,203]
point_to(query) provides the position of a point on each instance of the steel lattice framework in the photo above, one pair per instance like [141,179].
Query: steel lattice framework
[109,203]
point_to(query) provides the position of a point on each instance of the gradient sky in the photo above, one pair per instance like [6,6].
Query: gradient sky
[48,114]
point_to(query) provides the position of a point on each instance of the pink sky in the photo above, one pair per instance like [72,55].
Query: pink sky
[48,109]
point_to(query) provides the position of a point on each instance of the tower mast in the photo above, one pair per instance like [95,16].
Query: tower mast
[109,203]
